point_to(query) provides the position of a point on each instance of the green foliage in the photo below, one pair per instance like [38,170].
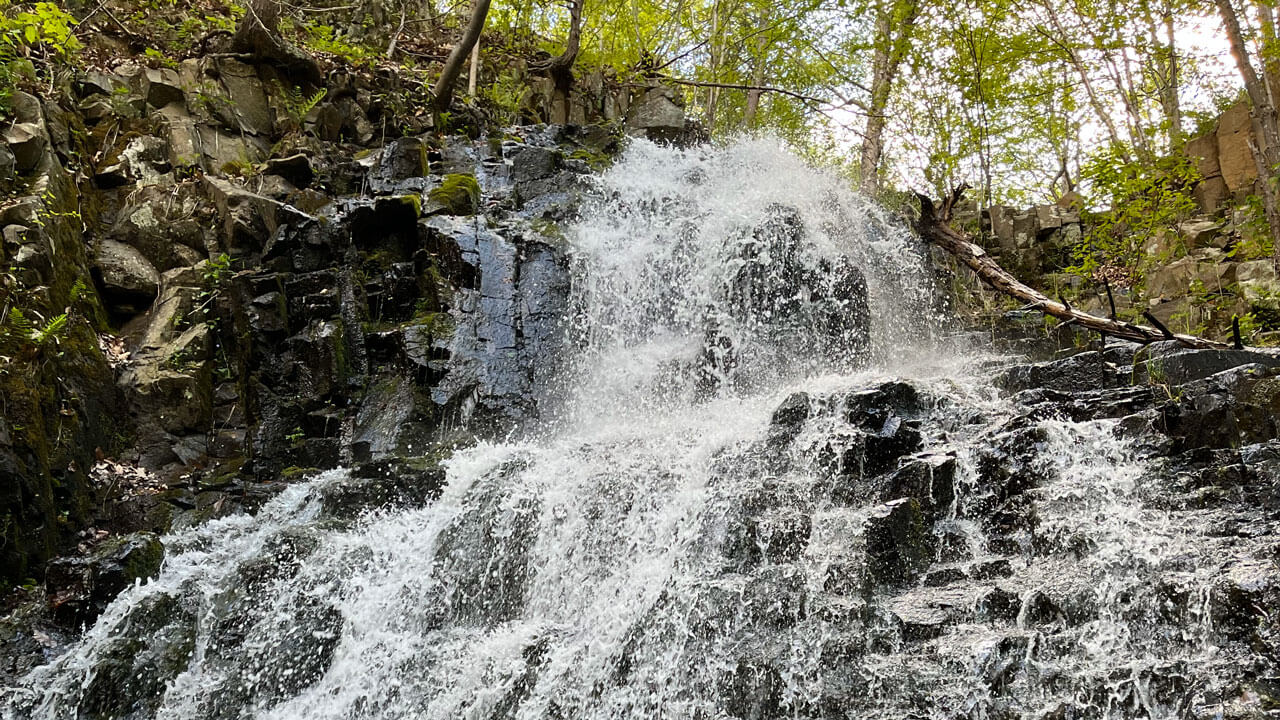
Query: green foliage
[44,26]
[298,106]
[1144,199]
[1255,234]
[325,39]
[51,332]
[159,59]
[41,29]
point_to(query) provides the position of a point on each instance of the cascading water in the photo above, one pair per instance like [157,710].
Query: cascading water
[770,489]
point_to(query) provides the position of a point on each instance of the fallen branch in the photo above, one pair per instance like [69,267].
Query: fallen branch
[934,225]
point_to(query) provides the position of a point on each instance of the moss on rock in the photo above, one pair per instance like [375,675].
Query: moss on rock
[458,193]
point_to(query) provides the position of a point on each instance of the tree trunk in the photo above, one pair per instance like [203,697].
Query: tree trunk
[889,53]
[473,70]
[1061,38]
[443,91]
[1169,94]
[1266,149]
[259,37]
[934,226]
[561,67]
[757,75]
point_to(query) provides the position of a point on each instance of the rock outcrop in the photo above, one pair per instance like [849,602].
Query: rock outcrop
[233,293]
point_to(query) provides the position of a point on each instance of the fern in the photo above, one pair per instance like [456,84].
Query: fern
[51,332]
[299,106]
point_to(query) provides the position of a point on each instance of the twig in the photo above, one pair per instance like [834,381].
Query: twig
[1158,325]
[395,38]
[1110,300]
[734,86]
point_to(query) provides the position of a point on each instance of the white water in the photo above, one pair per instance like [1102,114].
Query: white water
[591,572]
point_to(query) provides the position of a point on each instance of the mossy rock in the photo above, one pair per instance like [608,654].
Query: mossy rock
[459,194]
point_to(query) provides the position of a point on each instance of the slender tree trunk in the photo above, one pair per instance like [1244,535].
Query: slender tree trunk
[473,70]
[889,53]
[1169,93]
[713,66]
[757,75]
[443,91]
[1266,148]
[1062,40]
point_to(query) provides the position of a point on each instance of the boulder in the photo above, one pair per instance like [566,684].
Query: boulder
[458,194]
[532,163]
[402,159]
[1203,232]
[26,142]
[8,168]
[899,545]
[1203,151]
[84,585]
[249,220]
[128,279]
[1002,223]
[246,97]
[1176,279]
[657,115]
[163,87]
[1173,364]
[1210,194]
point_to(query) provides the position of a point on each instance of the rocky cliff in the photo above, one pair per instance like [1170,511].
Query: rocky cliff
[212,285]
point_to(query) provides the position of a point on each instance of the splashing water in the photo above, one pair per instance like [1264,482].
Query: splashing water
[711,527]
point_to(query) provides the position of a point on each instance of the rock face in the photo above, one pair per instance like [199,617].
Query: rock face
[1033,241]
[229,318]
[658,114]
[1235,158]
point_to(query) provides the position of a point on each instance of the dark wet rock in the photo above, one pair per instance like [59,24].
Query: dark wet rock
[508,335]
[84,585]
[1082,372]
[294,168]
[1233,407]
[789,418]
[135,667]
[487,562]
[929,480]
[783,534]
[530,162]
[998,604]
[1238,601]
[778,289]
[869,409]
[1169,363]
[754,689]
[899,545]
[249,220]
[400,166]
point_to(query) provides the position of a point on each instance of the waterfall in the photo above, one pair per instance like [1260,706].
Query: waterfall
[770,484]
